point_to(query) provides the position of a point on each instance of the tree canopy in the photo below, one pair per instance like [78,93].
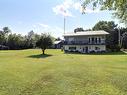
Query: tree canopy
[44,42]
[15,41]
[112,38]
[119,7]
[105,25]
[124,40]
[78,29]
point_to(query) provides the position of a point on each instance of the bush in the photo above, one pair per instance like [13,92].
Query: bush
[2,47]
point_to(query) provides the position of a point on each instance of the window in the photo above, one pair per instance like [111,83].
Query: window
[97,48]
[99,40]
[95,40]
[89,40]
[92,40]
[71,39]
[72,48]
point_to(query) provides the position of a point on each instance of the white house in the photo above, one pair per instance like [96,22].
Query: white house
[86,41]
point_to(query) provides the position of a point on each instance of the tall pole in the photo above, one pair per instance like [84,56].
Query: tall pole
[119,35]
[64,24]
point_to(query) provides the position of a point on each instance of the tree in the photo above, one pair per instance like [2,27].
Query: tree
[6,30]
[44,42]
[58,39]
[15,41]
[112,38]
[3,35]
[2,38]
[105,25]
[124,40]
[118,6]
[78,30]
[30,39]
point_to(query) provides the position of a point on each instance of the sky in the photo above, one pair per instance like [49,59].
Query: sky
[47,16]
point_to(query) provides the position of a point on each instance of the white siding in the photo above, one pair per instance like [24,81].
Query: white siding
[90,47]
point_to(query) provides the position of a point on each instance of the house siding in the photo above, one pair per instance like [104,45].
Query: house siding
[85,44]
[81,48]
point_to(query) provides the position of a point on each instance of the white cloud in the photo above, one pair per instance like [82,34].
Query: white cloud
[77,6]
[55,31]
[43,25]
[64,8]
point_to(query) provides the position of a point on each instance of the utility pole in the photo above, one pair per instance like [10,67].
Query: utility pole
[119,36]
[64,24]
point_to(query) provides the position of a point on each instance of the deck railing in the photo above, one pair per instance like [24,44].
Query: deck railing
[102,42]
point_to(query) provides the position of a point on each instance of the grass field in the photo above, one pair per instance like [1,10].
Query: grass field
[27,72]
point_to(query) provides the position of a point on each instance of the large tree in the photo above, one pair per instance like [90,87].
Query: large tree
[124,40]
[105,25]
[3,35]
[15,41]
[44,42]
[119,7]
[78,30]
[112,38]
[6,30]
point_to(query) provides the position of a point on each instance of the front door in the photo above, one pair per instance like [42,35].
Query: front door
[85,49]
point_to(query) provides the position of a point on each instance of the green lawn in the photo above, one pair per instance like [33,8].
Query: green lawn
[26,72]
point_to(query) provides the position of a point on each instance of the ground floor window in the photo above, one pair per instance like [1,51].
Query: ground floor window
[72,48]
[97,48]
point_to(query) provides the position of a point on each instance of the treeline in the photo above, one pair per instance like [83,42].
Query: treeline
[13,41]
[112,40]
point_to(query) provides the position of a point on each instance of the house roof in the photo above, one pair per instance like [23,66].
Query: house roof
[87,33]
[57,42]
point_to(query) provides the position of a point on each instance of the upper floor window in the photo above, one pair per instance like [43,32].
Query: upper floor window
[89,40]
[99,40]
[92,40]
[71,39]
[95,40]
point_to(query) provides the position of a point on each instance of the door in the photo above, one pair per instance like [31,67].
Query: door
[86,49]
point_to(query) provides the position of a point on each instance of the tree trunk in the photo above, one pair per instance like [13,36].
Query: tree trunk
[43,52]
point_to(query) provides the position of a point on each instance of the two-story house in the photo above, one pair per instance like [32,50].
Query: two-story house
[86,41]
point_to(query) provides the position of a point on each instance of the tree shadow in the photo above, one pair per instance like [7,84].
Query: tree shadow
[40,56]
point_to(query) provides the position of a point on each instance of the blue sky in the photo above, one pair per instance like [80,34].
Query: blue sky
[46,16]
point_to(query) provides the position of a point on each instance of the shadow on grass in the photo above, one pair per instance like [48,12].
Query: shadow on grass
[106,53]
[40,56]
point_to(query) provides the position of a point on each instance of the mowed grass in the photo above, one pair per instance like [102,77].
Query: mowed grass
[27,72]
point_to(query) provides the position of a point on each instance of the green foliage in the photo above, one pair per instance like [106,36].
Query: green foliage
[6,30]
[118,6]
[78,30]
[112,38]
[2,38]
[44,42]
[124,40]
[105,25]
[3,35]
[17,41]
[27,72]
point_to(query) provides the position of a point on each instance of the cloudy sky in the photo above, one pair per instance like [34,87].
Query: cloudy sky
[42,16]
